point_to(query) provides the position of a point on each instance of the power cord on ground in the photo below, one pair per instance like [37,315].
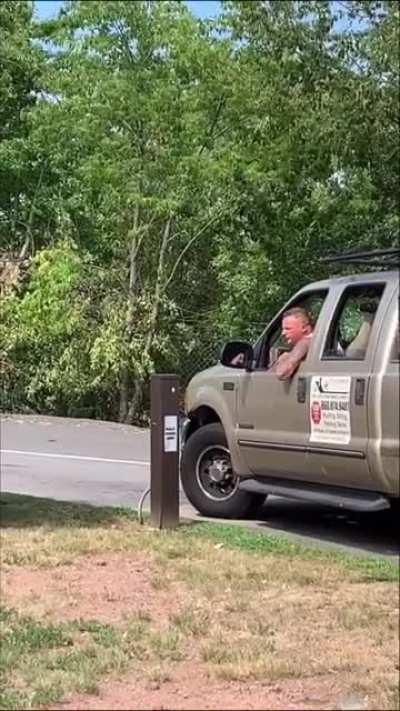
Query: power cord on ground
[141,502]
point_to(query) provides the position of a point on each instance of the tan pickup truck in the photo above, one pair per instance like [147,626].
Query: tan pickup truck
[330,434]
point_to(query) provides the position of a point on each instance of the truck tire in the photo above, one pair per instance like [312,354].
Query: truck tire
[207,477]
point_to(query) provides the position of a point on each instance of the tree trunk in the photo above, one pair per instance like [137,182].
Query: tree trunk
[136,401]
[129,323]
[24,248]
[158,290]
[137,395]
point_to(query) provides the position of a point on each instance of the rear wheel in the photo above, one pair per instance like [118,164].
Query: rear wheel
[208,479]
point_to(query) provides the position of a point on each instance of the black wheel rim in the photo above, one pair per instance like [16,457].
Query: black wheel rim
[214,473]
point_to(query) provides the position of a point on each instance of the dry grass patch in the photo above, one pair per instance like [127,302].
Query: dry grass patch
[183,611]
[108,588]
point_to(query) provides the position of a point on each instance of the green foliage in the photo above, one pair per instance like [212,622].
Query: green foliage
[20,66]
[178,180]
[47,332]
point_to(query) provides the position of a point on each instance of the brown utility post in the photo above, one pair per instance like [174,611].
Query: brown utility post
[164,478]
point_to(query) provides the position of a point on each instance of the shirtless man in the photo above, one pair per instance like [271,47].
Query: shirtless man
[297,330]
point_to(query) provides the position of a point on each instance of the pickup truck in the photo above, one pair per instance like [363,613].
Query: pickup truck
[330,434]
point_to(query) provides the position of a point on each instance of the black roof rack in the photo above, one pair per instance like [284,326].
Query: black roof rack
[382,258]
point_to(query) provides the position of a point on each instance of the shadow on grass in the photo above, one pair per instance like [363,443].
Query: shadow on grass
[19,511]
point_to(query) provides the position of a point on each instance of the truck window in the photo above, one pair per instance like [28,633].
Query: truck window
[395,353]
[351,327]
[273,344]
[395,350]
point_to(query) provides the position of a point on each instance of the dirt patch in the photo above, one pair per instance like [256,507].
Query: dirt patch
[103,588]
[192,626]
[190,689]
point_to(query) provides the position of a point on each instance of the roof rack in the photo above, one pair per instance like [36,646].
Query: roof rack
[382,258]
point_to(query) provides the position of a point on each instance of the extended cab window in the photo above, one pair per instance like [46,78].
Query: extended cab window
[351,328]
[395,350]
[395,355]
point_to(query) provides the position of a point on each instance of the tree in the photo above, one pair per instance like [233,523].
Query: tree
[310,101]
[20,65]
[132,170]
[189,176]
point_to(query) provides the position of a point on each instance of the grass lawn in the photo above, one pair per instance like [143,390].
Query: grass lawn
[96,608]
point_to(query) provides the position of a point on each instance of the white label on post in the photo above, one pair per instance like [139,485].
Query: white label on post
[170,433]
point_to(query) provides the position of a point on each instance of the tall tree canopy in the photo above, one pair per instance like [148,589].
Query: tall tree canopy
[174,180]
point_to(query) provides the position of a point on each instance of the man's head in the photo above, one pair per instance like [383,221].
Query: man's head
[296,324]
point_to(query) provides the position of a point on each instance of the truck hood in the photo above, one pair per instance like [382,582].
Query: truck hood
[207,378]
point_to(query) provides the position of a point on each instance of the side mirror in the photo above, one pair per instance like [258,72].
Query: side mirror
[238,354]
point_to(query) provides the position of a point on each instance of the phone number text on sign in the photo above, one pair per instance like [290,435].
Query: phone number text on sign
[330,409]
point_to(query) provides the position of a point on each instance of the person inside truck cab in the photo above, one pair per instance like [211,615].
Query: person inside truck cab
[297,331]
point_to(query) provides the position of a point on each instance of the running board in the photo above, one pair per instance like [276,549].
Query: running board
[339,497]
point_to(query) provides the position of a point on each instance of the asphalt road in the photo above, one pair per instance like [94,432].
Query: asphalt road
[105,463]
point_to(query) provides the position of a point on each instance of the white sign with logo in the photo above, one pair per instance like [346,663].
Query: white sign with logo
[330,409]
[170,433]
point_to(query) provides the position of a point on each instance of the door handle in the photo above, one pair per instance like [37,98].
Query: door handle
[359,391]
[301,389]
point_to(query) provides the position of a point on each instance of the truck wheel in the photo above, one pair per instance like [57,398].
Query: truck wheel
[208,479]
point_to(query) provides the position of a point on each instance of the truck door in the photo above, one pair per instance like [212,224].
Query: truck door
[272,416]
[383,405]
[340,379]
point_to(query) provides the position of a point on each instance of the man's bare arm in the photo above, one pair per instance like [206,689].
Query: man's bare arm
[288,363]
